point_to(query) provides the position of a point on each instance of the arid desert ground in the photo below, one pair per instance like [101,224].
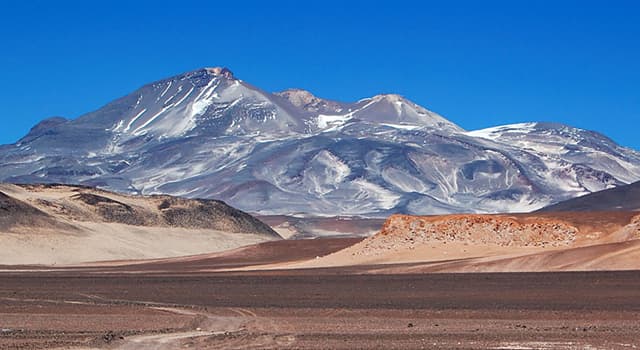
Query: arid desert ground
[178,303]
[547,280]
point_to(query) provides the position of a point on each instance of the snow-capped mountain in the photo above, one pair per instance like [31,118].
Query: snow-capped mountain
[208,134]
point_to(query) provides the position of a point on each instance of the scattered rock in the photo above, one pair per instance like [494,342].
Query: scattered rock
[110,336]
[405,231]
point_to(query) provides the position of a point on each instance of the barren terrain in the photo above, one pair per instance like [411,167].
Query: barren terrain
[497,243]
[291,227]
[174,282]
[163,305]
[59,224]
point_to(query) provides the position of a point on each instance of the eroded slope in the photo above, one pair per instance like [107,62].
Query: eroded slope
[51,224]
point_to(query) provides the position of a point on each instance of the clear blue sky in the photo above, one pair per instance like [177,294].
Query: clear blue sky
[478,63]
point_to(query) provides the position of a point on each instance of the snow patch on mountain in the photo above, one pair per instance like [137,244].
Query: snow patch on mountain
[324,173]
[496,132]
[332,121]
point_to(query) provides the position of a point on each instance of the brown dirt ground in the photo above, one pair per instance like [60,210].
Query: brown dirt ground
[177,304]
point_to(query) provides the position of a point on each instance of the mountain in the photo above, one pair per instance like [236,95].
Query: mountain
[46,224]
[614,199]
[208,134]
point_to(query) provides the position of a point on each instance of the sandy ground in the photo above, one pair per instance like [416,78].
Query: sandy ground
[196,302]
[339,308]
[100,241]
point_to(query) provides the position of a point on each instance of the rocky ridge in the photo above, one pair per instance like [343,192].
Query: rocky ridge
[404,232]
[65,205]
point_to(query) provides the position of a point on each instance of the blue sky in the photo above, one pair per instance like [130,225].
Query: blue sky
[478,63]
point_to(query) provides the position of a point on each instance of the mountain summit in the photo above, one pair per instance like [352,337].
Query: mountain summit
[207,134]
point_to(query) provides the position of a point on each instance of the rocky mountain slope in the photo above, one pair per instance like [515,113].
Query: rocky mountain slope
[614,199]
[207,134]
[50,224]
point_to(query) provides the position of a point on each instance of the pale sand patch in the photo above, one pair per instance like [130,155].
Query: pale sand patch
[432,253]
[109,241]
[285,232]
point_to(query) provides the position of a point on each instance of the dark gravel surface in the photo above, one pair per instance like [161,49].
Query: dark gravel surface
[329,310]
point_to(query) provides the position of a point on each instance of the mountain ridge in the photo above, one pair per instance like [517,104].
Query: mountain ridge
[207,134]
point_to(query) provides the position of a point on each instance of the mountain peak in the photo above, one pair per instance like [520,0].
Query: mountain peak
[396,109]
[43,127]
[389,97]
[308,102]
[220,71]
[298,97]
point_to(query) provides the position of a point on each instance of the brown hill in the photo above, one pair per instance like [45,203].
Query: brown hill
[71,224]
[15,213]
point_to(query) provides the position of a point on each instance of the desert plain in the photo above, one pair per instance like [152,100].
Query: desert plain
[547,280]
